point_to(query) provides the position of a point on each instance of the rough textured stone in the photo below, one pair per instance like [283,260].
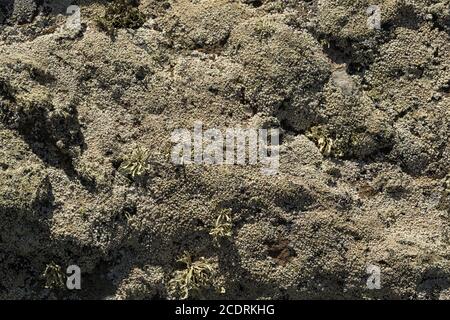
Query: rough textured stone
[364,156]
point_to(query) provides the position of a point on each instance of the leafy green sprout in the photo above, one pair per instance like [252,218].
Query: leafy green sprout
[137,164]
[223,226]
[197,275]
[53,275]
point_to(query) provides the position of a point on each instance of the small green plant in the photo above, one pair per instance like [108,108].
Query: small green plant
[137,164]
[197,275]
[223,226]
[54,276]
[121,14]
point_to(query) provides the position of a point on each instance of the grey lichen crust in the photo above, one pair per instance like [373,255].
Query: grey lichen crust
[85,138]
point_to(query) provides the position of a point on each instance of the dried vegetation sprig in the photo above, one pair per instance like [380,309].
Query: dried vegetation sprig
[223,226]
[196,276]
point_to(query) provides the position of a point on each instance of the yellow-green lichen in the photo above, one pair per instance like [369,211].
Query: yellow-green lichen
[327,145]
[54,276]
[196,276]
[137,163]
[223,226]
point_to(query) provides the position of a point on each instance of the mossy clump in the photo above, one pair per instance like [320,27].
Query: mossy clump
[281,69]
[121,14]
[264,29]
[196,276]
